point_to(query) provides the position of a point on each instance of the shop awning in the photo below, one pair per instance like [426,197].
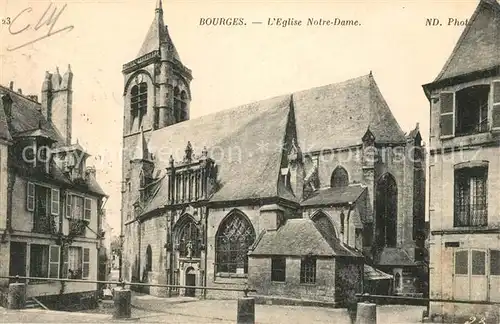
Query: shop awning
[374,274]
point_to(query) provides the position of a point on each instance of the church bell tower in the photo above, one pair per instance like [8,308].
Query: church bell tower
[157,85]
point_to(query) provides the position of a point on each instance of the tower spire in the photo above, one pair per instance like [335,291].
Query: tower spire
[159,6]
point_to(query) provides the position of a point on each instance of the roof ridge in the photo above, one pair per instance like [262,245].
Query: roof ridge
[20,95]
[380,97]
[462,37]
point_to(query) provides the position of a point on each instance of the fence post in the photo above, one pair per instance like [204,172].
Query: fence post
[246,310]
[122,302]
[16,298]
[366,312]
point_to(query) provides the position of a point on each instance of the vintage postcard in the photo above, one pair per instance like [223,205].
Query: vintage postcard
[250,161]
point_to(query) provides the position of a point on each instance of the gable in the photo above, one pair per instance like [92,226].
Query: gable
[478,47]
[338,115]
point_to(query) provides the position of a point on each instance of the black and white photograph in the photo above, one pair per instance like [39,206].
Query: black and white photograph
[231,161]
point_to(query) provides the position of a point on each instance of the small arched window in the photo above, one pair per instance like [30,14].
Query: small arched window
[233,239]
[180,105]
[138,102]
[340,178]
[188,238]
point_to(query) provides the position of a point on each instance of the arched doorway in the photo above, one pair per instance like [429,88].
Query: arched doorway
[190,281]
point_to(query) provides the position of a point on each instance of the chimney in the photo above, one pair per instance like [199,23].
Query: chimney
[57,102]
[11,85]
[7,106]
[47,96]
[20,91]
[33,98]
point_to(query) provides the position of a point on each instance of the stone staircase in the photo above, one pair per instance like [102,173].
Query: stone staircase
[31,303]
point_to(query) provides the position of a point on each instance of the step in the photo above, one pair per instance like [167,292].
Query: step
[31,304]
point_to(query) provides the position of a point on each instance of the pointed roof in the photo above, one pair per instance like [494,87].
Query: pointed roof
[478,48]
[157,33]
[301,237]
[250,137]
[338,115]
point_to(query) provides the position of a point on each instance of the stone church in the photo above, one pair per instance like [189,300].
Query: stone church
[305,195]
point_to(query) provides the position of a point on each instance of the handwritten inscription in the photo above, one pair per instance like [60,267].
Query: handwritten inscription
[44,28]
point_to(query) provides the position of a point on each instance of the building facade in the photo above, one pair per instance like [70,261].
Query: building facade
[199,194]
[50,212]
[464,169]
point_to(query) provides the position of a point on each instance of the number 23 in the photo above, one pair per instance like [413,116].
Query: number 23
[472,319]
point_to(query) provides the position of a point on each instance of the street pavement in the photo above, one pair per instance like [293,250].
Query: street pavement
[213,311]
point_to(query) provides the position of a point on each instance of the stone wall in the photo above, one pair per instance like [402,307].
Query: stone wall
[323,290]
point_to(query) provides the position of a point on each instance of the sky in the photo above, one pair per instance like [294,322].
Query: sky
[232,65]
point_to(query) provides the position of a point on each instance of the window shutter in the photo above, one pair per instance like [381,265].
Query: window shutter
[65,257]
[86,263]
[30,196]
[88,209]
[447,118]
[54,256]
[495,112]
[69,206]
[55,198]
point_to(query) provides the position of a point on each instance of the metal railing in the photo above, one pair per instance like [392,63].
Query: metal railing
[122,284]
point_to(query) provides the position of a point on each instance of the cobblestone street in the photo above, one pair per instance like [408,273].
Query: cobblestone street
[214,311]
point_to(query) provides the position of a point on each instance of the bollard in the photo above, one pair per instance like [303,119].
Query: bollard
[122,299]
[366,313]
[17,296]
[246,310]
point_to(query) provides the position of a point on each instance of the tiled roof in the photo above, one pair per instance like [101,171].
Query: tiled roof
[371,273]
[27,120]
[4,127]
[27,116]
[478,48]
[246,141]
[334,196]
[339,114]
[241,143]
[301,237]
[395,256]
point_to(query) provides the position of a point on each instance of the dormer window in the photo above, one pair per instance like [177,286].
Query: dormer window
[139,102]
[35,151]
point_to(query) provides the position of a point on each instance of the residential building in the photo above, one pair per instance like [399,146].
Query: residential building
[199,194]
[464,169]
[50,200]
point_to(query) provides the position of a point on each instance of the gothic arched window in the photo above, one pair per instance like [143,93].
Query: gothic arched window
[138,102]
[233,239]
[149,259]
[340,178]
[387,210]
[180,105]
[188,238]
[324,223]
